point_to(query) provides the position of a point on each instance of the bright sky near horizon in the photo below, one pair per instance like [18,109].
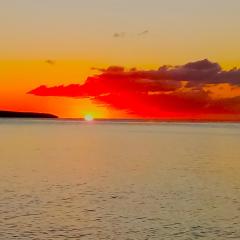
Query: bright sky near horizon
[77,35]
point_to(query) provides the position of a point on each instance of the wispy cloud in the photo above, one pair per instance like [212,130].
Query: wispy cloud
[50,62]
[125,34]
[143,33]
[119,35]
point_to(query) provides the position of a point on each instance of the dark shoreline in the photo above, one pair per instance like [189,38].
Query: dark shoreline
[11,114]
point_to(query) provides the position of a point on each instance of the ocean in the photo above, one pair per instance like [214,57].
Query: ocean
[64,179]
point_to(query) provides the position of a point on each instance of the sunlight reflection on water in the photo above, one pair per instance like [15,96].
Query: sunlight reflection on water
[68,179]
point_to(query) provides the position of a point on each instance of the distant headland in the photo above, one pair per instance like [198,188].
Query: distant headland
[11,114]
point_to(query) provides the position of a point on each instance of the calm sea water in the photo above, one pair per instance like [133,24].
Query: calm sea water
[76,180]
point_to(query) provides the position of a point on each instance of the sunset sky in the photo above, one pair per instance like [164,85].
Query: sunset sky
[121,59]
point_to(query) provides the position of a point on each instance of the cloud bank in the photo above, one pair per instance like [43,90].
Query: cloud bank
[182,91]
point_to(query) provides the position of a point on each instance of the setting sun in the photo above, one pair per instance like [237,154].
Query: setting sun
[88,117]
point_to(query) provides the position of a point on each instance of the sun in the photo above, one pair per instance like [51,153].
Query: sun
[88,117]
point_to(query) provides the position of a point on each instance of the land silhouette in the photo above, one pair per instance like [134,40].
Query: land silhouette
[12,114]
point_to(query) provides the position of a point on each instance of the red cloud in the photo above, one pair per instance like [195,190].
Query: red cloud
[170,91]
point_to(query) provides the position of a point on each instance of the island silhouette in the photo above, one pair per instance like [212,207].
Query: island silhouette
[12,114]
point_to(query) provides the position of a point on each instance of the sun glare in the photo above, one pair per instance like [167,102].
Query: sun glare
[88,117]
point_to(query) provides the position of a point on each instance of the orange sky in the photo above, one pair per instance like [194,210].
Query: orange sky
[79,35]
[18,77]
